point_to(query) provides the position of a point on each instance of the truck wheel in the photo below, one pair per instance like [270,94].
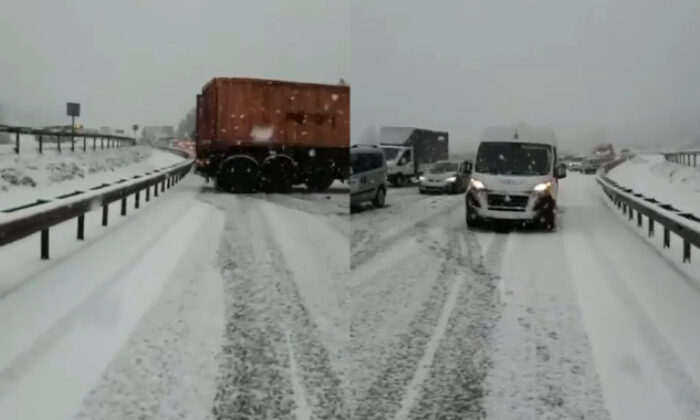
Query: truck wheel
[320,179]
[400,180]
[278,174]
[379,198]
[238,174]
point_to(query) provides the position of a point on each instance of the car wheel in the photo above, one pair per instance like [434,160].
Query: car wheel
[379,197]
[421,191]
[471,218]
[548,220]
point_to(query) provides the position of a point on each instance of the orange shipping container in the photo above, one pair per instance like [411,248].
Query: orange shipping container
[248,112]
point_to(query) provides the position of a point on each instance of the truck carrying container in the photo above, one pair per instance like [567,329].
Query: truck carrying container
[255,134]
[409,151]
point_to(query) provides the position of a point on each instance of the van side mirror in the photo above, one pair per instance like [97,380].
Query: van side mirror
[467,167]
[560,171]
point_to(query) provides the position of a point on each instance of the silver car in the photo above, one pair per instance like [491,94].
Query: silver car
[445,176]
[368,176]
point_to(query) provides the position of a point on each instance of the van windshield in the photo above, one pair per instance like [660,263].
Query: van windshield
[514,158]
[443,167]
[390,153]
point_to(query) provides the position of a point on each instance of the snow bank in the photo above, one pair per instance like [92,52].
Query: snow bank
[668,182]
[28,177]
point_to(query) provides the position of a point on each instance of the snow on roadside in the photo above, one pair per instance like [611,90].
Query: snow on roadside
[62,350]
[168,366]
[28,177]
[668,182]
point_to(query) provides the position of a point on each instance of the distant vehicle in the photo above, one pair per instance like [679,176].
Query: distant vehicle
[590,165]
[445,176]
[574,163]
[625,153]
[409,151]
[368,179]
[604,152]
[270,135]
[514,181]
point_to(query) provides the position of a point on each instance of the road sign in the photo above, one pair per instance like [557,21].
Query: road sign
[73,109]
[135,127]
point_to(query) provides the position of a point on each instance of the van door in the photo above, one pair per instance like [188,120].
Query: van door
[363,165]
[555,162]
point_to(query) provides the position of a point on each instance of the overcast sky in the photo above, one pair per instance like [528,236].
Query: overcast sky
[628,70]
[143,61]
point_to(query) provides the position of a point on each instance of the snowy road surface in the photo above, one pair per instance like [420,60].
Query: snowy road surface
[199,305]
[214,306]
[587,322]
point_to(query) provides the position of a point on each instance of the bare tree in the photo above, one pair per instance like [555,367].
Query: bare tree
[187,125]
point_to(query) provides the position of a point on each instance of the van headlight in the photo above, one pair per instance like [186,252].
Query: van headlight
[545,186]
[451,179]
[476,184]
[421,178]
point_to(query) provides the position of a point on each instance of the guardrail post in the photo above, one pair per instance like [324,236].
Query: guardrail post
[136,199]
[123,206]
[639,219]
[667,237]
[686,251]
[41,144]
[631,213]
[168,182]
[105,214]
[102,143]
[45,244]
[84,144]
[695,160]
[81,227]
[162,186]
[651,227]
[94,143]
[58,142]
[17,142]
[148,193]
[155,190]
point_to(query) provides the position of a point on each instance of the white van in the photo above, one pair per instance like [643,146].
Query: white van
[514,181]
[368,176]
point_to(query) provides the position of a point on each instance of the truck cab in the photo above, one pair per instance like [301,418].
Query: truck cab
[516,182]
[400,163]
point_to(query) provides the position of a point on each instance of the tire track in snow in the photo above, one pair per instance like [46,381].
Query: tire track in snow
[398,387]
[543,367]
[321,383]
[455,388]
[273,364]
[253,375]
[379,238]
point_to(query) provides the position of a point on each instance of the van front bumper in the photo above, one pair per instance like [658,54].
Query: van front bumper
[508,206]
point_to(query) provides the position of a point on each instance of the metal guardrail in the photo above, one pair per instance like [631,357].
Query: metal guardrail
[106,141]
[42,220]
[630,202]
[683,158]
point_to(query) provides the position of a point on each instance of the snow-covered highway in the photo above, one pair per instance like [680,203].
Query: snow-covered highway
[587,322]
[209,305]
[198,305]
